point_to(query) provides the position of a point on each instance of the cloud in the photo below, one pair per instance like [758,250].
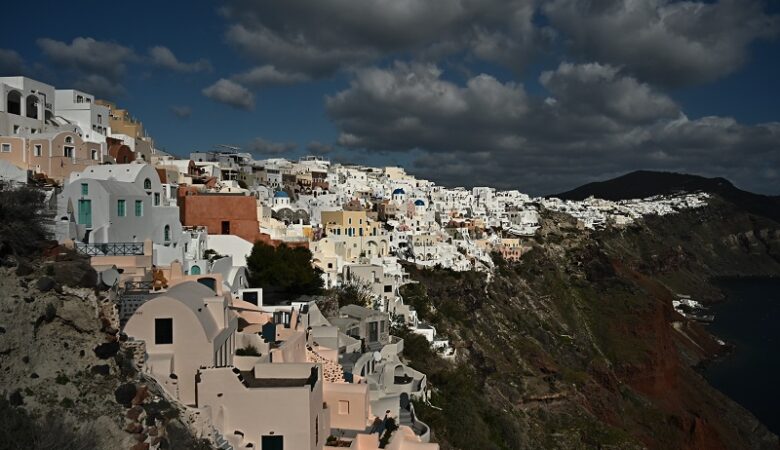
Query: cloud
[10,63]
[99,86]
[319,148]
[164,57]
[320,38]
[594,121]
[88,55]
[264,147]
[182,112]
[270,75]
[95,66]
[383,108]
[664,41]
[230,93]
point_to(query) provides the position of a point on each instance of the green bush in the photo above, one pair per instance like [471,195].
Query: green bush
[21,226]
[286,269]
[20,431]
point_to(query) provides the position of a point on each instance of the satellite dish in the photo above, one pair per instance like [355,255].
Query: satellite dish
[377,356]
[109,277]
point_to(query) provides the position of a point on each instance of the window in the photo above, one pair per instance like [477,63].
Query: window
[79,99]
[6,148]
[37,150]
[225,227]
[156,199]
[167,233]
[84,189]
[343,407]
[195,270]
[388,288]
[272,443]
[163,331]
[16,129]
[94,155]
[68,139]
[251,297]
[147,184]
[68,151]
[139,208]
[100,118]
[120,208]
[316,430]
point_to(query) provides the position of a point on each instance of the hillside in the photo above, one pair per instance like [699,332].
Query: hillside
[645,183]
[578,346]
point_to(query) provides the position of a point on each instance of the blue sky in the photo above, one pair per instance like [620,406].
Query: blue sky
[541,96]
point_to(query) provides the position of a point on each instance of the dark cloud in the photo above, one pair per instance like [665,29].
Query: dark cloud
[164,57]
[594,122]
[268,148]
[10,63]
[318,38]
[230,93]
[664,41]
[319,148]
[182,112]
[96,66]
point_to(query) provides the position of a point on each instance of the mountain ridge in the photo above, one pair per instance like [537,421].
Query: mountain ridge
[648,183]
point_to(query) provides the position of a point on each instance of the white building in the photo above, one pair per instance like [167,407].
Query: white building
[120,204]
[80,109]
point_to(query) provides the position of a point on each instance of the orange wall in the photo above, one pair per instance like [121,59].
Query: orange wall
[211,210]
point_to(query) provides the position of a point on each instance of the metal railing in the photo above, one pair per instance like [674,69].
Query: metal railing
[111,249]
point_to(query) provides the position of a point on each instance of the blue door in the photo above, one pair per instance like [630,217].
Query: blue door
[85,213]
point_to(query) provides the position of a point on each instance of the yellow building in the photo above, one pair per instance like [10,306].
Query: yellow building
[348,223]
[121,122]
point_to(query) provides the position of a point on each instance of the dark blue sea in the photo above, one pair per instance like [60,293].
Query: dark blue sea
[750,320]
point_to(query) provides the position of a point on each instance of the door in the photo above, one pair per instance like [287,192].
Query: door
[225,227]
[85,213]
[272,443]
[373,331]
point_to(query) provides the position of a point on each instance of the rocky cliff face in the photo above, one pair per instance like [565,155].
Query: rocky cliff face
[578,346]
[66,380]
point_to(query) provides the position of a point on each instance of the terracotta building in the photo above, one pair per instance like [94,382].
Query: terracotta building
[234,214]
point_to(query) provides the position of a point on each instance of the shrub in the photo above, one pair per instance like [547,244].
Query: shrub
[354,292]
[21,225]
[249,350]
[19,430]
[286,269]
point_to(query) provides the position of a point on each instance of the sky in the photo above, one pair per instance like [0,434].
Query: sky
[540,96]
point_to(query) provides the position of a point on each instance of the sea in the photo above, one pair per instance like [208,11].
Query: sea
[749,319]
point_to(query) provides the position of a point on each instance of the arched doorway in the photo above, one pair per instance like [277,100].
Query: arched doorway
[195,270]
[31,106]
[13,103]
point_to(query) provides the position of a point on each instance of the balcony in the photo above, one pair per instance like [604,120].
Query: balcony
[111,249]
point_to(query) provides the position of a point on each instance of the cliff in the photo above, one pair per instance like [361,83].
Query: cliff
[66,379]
[578,345]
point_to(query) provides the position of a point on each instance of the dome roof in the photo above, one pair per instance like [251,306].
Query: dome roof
[281,194]
[419,202]
[399,191]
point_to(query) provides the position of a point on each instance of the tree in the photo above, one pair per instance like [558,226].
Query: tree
[284,269]
[354,291]
[21,224]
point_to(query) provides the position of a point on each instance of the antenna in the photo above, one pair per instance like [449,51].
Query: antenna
[227,148]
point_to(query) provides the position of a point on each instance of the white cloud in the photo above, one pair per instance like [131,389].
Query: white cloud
[230,93]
